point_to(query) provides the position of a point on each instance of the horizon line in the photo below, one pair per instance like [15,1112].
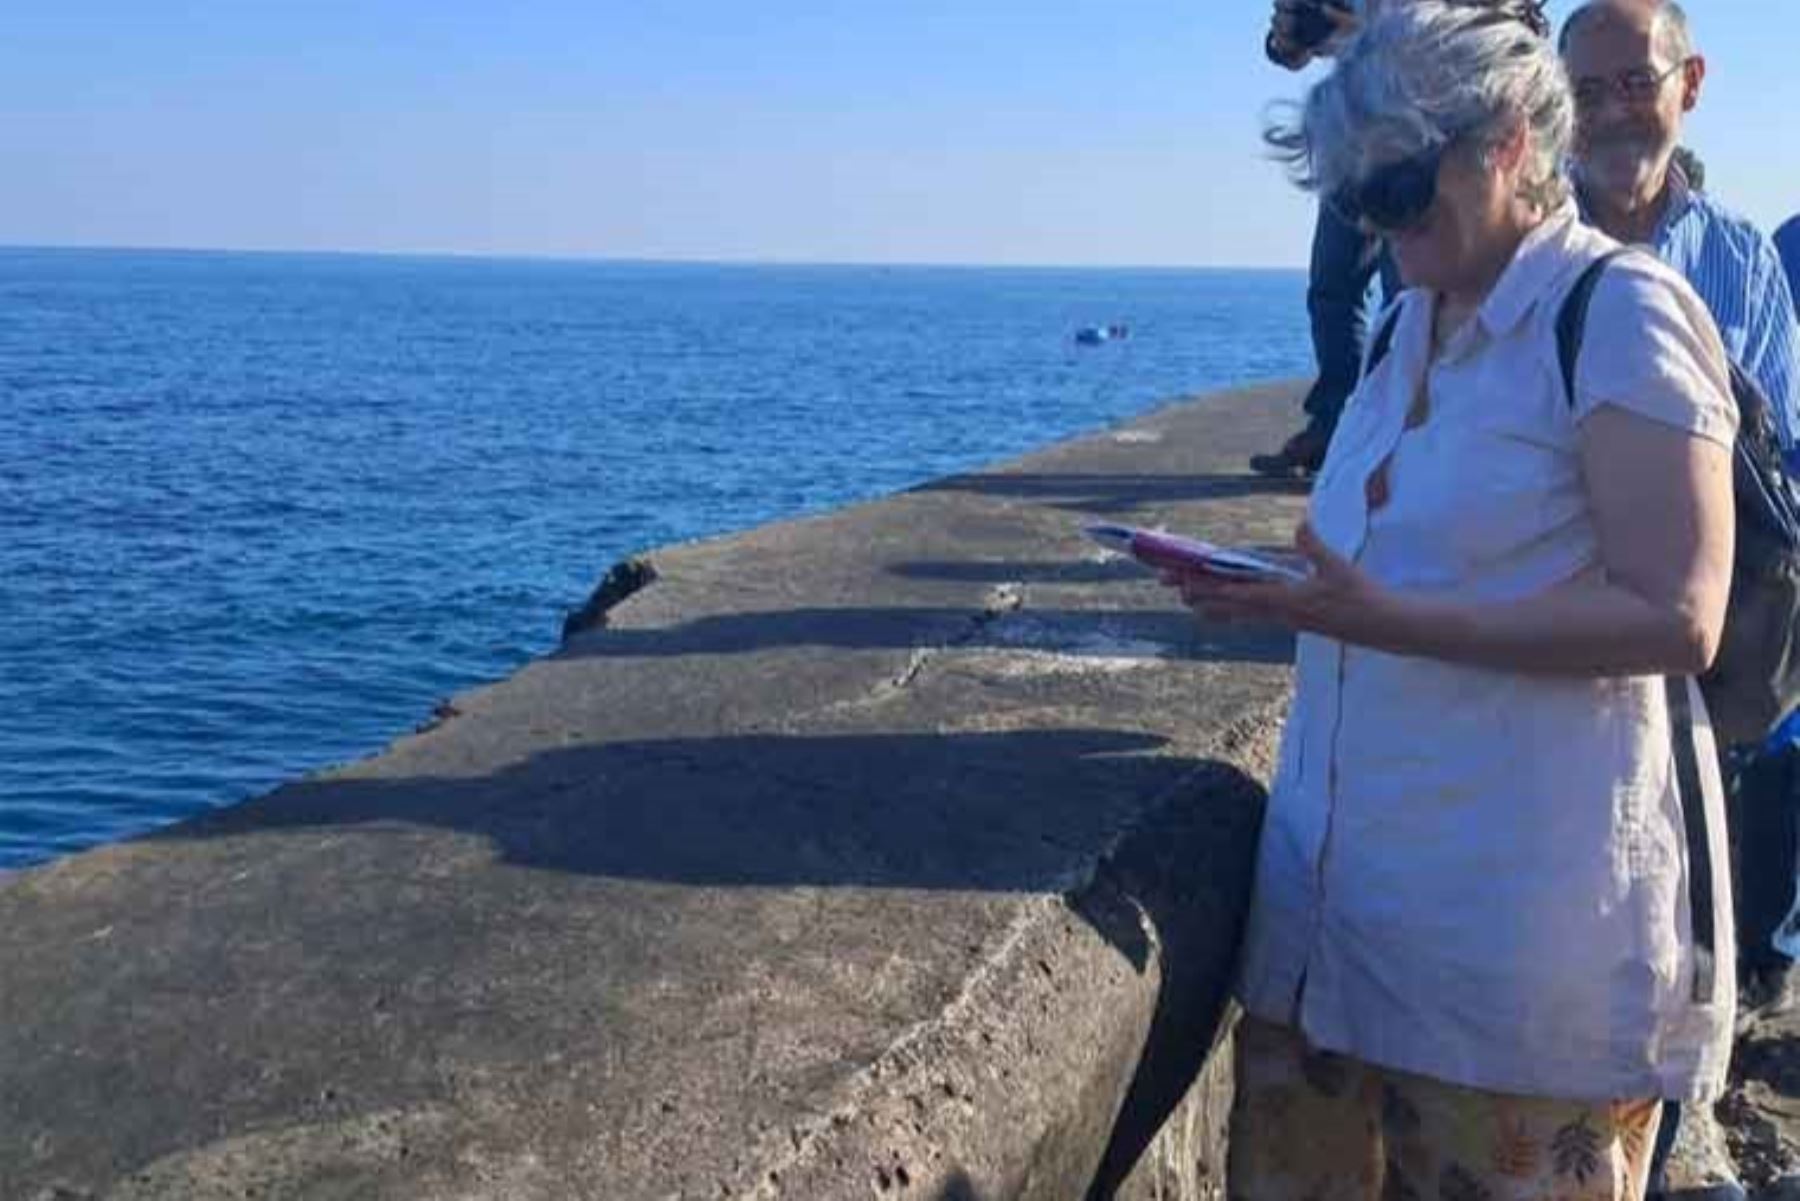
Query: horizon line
[628,260]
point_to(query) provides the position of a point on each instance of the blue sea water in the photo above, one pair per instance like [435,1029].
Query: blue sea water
[258,513]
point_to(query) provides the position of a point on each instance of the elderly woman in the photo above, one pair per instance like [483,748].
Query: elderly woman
[1485,923]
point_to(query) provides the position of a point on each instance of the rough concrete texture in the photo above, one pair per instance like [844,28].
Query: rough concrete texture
[1759,1116]
[896,852]
[1186,1161]
[1749,1139]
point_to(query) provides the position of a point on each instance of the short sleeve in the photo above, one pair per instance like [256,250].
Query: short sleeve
[1650,347]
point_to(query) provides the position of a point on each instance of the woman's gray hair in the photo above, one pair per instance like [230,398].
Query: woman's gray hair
[1427,73]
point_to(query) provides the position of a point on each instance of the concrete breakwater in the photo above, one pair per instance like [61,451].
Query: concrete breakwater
[893,852]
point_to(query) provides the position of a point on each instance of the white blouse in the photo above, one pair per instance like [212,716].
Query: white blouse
[1467,873]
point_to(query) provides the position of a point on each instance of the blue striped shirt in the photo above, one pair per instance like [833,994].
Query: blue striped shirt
[1735,269]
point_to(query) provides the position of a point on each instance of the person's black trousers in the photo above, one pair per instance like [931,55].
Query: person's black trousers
[1766,812]
[1344,262]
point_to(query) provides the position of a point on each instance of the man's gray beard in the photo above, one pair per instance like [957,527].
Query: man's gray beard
[1621,164]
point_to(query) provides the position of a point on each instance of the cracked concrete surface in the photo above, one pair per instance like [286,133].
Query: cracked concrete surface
[892,852]
[1759,1115]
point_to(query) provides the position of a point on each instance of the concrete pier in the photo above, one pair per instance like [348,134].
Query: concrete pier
[896,852]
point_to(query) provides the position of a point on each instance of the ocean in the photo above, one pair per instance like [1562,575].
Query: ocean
[259,513]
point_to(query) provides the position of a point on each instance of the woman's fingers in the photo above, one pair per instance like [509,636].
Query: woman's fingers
[1335,599]
[1326,563]
[1199,588]
[1221,599]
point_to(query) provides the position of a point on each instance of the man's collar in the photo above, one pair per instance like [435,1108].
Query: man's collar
[1677,197]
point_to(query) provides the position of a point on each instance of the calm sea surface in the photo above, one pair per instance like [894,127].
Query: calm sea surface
[258,513]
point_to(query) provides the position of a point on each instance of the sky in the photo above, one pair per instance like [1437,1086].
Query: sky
[1079,132]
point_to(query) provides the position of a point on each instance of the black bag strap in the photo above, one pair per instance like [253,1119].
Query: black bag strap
[1384,341]
[1571,321]
[1699,847]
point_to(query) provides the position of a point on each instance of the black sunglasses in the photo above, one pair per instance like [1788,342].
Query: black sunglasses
[1394,196]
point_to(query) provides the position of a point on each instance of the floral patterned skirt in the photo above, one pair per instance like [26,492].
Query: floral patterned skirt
[1311,1125]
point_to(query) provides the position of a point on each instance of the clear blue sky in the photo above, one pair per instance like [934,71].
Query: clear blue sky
[990,131]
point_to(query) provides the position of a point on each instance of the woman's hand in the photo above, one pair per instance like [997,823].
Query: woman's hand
[1338,599]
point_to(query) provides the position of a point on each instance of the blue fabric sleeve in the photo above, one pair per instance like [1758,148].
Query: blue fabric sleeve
[1772,346]
[1787,243]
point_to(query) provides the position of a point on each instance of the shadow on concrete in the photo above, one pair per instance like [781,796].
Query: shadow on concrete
[1117,570]
[1014,571]
[1006,811]
[1172,634]
[958,1188]
[1023,811]
[1115,494]
[1188,870]
[1011,811]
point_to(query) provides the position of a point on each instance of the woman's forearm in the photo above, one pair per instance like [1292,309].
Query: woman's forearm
[1577,629]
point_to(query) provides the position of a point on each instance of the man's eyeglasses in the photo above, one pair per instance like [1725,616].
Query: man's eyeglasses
[1639,85]
[1394,196]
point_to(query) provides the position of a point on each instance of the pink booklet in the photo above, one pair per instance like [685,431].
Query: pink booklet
[1156,548]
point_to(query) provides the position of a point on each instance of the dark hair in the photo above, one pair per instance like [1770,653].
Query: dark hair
[1423,74]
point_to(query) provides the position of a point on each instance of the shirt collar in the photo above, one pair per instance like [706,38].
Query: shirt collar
[1678,204]
[1535,266]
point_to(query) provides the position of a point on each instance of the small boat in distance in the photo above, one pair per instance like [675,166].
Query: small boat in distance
[1094,335]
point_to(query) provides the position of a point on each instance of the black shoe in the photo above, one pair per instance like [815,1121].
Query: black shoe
[1303,454]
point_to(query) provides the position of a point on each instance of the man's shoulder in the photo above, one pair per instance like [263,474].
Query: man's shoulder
[1725,224]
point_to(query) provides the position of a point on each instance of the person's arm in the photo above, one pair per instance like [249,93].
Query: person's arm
[1661,505]
[1660,500]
